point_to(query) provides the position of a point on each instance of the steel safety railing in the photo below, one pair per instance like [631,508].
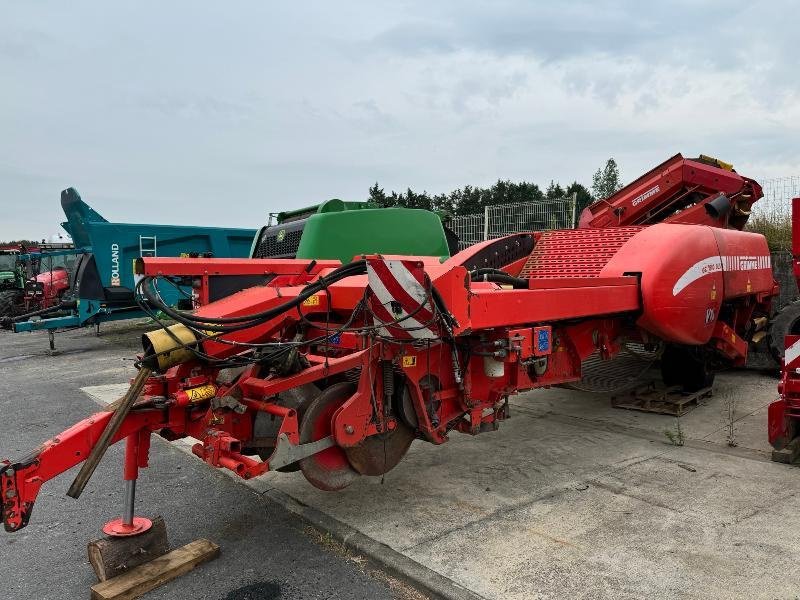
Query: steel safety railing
[772,214]
[504,219]
[778,194]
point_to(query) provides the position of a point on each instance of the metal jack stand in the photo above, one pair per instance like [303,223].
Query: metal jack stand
[132,540]
[135,558]
[128,524]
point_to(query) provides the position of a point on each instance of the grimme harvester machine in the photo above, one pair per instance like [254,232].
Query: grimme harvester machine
[335,369]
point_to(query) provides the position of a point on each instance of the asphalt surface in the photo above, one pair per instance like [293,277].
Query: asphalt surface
[266,551]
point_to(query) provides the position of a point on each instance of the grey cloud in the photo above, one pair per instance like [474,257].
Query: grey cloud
[705,36]
[416,37]
[557,31]
[200,112]
[192,107]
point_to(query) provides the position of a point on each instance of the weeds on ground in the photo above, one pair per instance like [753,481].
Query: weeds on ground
[776,227]
[675,435]
[400,589]
[730,421]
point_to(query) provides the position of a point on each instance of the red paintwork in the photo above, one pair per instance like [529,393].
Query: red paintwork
[678,184]
[783,424]
[46,289]
[630,295]
[575,253]
[588,292]
[293,271]
[796,236]
[783,416]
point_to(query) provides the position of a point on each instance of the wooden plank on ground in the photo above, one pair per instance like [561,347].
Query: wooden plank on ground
[158,571]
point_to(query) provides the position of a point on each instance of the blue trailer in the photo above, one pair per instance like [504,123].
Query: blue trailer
[103,283]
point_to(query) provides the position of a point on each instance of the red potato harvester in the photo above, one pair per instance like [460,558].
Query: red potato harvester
[334,370]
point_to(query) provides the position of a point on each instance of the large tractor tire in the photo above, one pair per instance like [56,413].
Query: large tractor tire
[11,303]
[785,322]
[685,367]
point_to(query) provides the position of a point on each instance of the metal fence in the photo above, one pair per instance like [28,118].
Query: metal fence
[504,219]
[778,193]
[468,228]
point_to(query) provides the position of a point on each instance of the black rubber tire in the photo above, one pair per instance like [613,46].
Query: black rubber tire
[785,322]
[682,366]
[11,303]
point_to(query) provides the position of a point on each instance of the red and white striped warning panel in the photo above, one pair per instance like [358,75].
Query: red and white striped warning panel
[791,358]
[400,299]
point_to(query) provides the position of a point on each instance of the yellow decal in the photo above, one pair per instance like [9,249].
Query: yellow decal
[409,361]
[311,301]
[714,291]
[749,286]
[201,392]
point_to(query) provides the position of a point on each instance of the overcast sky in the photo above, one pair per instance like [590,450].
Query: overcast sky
[219,113]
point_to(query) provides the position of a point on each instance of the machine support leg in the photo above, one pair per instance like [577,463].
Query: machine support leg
[132,540]
[128,524]
[52,339]
[130,497]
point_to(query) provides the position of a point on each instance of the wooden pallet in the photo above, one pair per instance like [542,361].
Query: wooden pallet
[664,401]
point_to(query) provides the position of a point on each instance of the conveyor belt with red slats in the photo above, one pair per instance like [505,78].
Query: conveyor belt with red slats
[575,253]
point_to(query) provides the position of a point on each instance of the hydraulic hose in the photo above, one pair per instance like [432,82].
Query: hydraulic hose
[498,276]
[175,344]
[358,267]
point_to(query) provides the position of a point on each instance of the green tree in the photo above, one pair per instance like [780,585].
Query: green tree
[554,191]
[605,181]
[468,200]
[583,196]
[377,195]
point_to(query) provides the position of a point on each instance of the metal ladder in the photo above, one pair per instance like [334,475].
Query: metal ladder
[149,248]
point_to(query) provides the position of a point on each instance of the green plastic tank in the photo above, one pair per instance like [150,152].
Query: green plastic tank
[341,230]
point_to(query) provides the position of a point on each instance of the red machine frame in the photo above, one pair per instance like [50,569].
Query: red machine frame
[784,414]
[411,346]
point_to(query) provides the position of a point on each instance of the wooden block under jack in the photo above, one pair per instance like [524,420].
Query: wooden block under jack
[112,556]
[158,571]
